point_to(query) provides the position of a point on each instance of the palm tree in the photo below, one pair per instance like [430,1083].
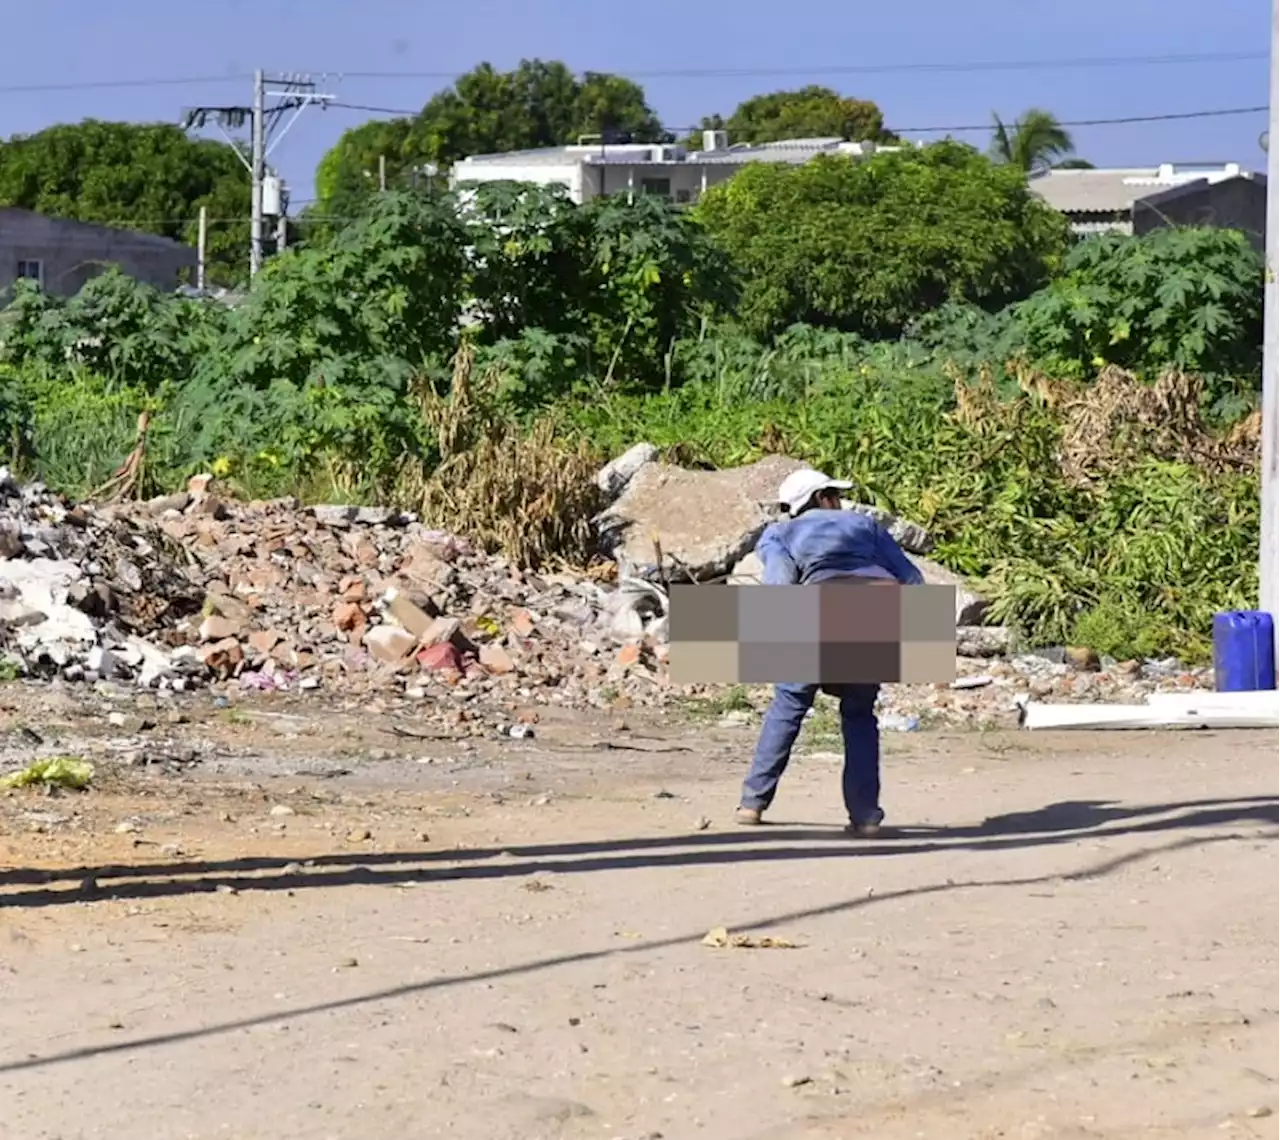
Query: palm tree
[1033,142]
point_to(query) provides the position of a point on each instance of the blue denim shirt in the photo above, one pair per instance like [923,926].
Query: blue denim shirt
[823,544]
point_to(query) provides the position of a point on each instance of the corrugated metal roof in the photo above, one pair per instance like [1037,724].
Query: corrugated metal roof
[1115,190]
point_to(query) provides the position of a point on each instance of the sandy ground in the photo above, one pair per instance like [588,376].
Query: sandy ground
[305,935]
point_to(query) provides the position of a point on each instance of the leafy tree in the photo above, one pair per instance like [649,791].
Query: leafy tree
[348,172]
[530,256]
[868,245]
[608,285]
[809,112]
[144,176]
[654,276]
[1032,142]
[538,104]
[1187,298]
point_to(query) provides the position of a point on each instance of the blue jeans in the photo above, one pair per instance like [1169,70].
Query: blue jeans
[782,723]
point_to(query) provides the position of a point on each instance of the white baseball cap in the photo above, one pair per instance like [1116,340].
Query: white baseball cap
[800,486]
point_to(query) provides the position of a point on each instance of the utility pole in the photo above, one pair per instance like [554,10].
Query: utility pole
[202,245]
[257,167]
[1269,553]
[382,173]
[273,97]
[282,233]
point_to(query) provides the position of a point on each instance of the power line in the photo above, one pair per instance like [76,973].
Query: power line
[1161,118]
[110,84]
[1068,64]
[1082,62]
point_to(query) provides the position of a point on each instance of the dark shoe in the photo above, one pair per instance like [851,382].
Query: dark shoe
[867,828]
[748,817]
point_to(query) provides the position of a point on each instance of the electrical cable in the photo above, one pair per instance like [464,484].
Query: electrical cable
[959,67]
[1161,118]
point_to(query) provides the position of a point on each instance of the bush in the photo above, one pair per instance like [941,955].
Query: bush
[1189,299]
[870,245]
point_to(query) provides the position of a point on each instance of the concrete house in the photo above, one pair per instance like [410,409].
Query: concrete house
[1140,199]
[61,255]
[592,170]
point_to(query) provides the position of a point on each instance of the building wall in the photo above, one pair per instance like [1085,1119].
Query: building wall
[1234,204]
[684,181]
[70,253]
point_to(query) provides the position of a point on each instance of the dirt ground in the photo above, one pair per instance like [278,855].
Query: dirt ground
[319,927]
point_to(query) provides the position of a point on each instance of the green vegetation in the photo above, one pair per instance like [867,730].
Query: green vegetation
[1074,426]
[869,246]
[144,176]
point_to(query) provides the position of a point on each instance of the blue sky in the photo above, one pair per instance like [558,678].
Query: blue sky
[74,41]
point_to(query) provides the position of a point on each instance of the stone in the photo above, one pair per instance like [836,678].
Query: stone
[613,477]
[911,536]
[1082,658]
[705,521]
[983,641]
[339,517]
[263,641]
[389,643]
[417,619]
[348,616]
[217,628]
[440,658]
[11,544]
[628,655]
[496,659]
[523,623]
[223,657]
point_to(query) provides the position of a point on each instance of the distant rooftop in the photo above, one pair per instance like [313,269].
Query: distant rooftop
[1110,191]
[597,154]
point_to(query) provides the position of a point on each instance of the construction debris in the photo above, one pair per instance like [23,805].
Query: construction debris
[197,589]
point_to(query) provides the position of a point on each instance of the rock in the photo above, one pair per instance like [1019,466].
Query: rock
[795,1081]
[389,643]
[11,544]
[706,521]
[335,516]
[348,616]
[983,640]
[417,619]
[217,628]
[912,537]
[613,477]
[496,659]
[440,658]
[1082,658]
[281,810]
[223,657]
[441,631]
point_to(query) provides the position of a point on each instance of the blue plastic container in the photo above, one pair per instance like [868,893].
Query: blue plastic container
[1244,655]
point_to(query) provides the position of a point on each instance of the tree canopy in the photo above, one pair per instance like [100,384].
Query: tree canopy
[144,176]
[809,112]
[539,103]
[868,245]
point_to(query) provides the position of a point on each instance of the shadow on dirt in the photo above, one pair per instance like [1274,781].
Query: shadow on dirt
[1052,825]
[1091,871]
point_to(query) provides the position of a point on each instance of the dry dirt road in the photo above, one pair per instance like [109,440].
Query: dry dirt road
[1068,936]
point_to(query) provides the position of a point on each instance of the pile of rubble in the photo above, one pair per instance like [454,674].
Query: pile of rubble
[270,595]
[195,589]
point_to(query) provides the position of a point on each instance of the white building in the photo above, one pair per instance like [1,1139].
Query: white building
[590,170]
[1104,200]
